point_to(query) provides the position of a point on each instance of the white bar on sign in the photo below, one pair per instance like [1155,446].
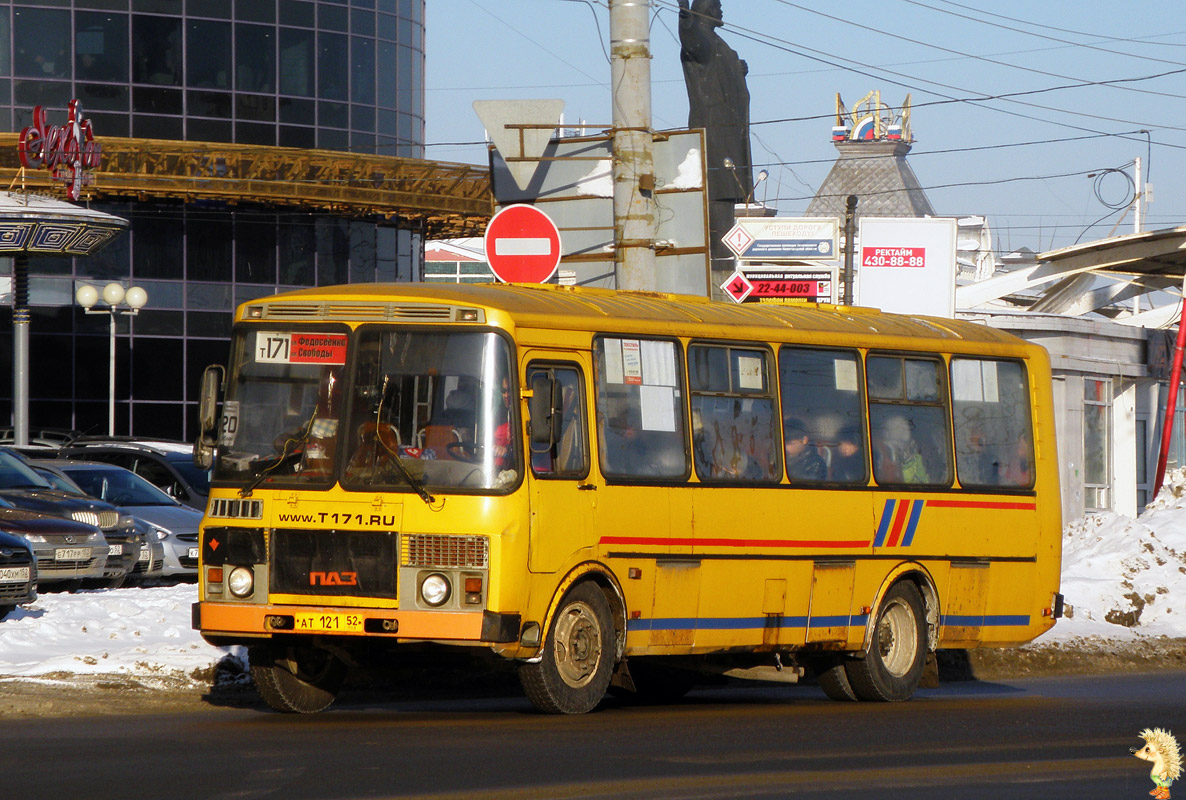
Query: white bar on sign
[523,247]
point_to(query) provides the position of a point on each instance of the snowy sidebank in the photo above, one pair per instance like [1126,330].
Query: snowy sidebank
[1125,580]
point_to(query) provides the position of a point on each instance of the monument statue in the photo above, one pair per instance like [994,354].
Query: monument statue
[718,101]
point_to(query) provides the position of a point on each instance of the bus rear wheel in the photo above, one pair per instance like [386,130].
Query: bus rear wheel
[576,664]
[893,665]
[296,679]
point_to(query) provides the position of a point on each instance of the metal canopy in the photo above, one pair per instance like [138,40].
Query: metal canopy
[1152,253]
[35,224]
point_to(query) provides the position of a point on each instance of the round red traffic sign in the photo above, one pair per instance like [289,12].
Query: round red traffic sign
[522,245]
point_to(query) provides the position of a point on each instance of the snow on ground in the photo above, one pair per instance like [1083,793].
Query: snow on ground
[1124,578]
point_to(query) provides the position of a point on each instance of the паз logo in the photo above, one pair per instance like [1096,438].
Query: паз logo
[333,578]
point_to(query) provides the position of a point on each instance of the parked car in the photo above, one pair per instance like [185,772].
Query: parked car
[22,488]
[151,559]
[172,524]
[67,552]
[18,573]
[167,465]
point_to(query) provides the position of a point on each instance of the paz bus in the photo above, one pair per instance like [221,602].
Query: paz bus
[620,489]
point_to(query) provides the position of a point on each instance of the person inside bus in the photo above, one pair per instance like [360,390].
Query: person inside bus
[1019,464]
[896,457]
[803,460]
[848,460]
[503,457]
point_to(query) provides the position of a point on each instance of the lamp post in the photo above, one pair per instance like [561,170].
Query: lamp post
[113,295]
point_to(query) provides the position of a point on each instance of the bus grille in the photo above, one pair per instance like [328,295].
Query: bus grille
[413,312]
[433,550]
[334,563]
[234,508]
[100,519]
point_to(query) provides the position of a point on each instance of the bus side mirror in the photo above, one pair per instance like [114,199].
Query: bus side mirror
[211,389]
[545,408]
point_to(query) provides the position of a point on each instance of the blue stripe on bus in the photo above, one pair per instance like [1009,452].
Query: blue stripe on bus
[741,623]
[887,516]
[912,525]
[991,620]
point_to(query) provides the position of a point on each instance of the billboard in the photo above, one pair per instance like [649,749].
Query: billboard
[907,265]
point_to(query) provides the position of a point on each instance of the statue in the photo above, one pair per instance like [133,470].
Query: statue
[718,101]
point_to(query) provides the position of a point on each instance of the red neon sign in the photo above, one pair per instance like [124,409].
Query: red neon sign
[68,151]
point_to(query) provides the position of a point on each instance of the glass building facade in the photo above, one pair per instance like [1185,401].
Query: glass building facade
[342,75]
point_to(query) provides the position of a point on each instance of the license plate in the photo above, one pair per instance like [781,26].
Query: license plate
[115,549]
[14,574]
[144,554]
[72,554]
[330,622]
[193,552]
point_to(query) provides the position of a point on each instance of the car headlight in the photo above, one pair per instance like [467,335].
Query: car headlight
[96,537]
[153,532]
[435,589]
[126,522]
[34,537]
[241,581]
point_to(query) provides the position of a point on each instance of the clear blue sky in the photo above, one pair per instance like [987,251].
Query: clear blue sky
[1022,161]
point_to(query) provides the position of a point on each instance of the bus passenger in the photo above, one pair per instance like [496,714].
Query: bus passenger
[1018,469]
[897,458]
[803,462]
[848,462]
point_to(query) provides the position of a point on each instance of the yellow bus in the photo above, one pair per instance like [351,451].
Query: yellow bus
[620,489]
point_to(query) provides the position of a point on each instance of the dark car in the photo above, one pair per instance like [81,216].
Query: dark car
[18,573]
[22,488]
[167,465]
[67,552]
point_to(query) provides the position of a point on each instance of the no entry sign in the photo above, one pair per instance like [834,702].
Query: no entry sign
[522,245]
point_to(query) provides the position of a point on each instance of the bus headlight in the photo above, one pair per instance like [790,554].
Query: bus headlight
[435,589]
[241,581]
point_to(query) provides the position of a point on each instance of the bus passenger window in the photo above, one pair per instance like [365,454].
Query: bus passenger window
[908,421]
[823,415]
[568,455]
[733,426]
[993,439]
[640,409]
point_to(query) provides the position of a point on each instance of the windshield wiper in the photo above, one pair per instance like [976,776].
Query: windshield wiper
[416,485]
[295,441]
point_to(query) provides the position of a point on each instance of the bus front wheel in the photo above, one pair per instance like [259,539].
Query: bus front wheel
[296,679]
[576,665]
[893,665]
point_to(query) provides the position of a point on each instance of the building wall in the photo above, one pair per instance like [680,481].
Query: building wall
[331,75]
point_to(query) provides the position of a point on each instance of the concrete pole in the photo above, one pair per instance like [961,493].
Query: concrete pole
[20,350]
[633,167]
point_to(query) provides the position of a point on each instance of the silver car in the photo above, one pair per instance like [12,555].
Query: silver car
[165,520]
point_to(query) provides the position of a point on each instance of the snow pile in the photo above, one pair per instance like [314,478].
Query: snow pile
[1126,578]
[141,632]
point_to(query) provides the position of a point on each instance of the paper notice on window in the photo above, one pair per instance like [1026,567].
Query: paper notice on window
[658,363]
[613,360]
[749,373]
[988,376]
[658,408]
[846,375]
[974,381]
[631,361]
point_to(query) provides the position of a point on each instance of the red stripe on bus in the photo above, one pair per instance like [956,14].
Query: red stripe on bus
[684,542]
[899,522]
[983,504]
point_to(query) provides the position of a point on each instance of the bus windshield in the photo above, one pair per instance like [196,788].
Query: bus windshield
[422,410]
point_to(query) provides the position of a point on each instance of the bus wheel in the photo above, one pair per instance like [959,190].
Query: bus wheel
[832,676]
[892,668]
[301,680]
[577,661]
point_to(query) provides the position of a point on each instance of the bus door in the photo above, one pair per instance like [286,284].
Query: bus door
[562,496]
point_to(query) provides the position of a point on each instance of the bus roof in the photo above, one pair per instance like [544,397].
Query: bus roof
[581,308]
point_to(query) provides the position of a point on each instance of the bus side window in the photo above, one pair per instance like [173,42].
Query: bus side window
[993,439]
[822,399]
[568,456]
[908,421]
[733,424]
[640,409]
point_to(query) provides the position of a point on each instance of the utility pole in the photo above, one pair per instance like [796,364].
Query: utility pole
[1138,191]
[633,161]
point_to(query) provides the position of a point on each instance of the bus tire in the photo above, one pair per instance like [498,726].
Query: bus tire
[832,676]
[577,661]
[892,667]
[296,679]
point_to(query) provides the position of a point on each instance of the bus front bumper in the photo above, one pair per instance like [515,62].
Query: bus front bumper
[222,621]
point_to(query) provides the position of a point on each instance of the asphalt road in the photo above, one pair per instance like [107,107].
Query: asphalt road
[1034,738]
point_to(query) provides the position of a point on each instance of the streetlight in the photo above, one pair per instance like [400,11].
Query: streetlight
[113,295]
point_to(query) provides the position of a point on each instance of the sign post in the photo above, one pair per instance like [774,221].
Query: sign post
[522,245]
